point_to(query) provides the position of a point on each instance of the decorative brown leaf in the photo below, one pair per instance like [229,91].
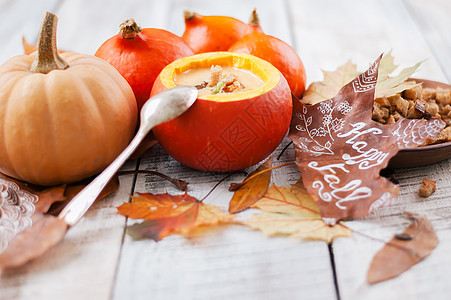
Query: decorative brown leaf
[165,214]
[340,150]
[293,212]
[386,86]
[45,233]
[403,251]
[252,190]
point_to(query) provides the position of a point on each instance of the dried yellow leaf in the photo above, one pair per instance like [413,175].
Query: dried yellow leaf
[386,86]
[292,212]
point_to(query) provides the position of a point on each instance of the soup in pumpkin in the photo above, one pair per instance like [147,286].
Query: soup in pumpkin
[219,79]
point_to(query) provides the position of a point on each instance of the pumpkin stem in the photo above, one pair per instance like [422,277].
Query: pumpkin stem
[48,58]
[129,29]
[254,20]
[188,15]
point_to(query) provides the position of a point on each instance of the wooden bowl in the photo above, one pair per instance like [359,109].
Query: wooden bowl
[425,155]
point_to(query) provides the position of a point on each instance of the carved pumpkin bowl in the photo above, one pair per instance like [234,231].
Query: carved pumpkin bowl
[226,131]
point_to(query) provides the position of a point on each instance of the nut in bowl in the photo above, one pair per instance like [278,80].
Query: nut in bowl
[427,154]
[235,123]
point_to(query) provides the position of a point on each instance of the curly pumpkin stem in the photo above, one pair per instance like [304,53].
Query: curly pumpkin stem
[129,29]
[48,58]
[254,20]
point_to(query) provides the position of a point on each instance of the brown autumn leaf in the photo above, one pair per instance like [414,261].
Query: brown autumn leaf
[49,196]
[71,190]
[404,250]
[26,232]
[340,150]
[45,233]
[291,211]
[166,214]
[253,190]
[386,86]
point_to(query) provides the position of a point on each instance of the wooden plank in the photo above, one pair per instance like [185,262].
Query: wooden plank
[231,262]
[432,18]
[359,30]
[19,20]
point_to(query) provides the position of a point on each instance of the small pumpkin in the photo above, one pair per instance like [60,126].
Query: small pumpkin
[63,118]
[140,54]
[226,132]
[275,51]
[211,33]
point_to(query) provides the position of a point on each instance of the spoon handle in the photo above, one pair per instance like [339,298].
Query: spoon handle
[80,204]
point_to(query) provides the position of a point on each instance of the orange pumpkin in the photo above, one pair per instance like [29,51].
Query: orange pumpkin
[274,50]
[63,118]
[225,132]
[140,55]
[211,33]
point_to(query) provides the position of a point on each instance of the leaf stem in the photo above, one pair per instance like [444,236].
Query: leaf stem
[410,251]
[284,149]
[222,180]
[180,184]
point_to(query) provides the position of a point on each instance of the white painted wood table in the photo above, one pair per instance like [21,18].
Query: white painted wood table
[97,260]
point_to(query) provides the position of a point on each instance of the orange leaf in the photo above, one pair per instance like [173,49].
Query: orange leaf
[165,214]
[253,190]
[149,206]
[28,48]
[156,229]
[403,251]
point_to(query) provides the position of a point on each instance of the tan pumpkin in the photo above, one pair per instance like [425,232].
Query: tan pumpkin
[64,118]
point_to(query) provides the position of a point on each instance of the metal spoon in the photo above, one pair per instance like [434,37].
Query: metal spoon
[160,108]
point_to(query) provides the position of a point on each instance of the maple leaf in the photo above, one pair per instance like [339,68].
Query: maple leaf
[333,81]
[386,86]
[165,214]
[404,250]
[253,190]
[291,211]
[340,150]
